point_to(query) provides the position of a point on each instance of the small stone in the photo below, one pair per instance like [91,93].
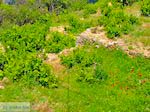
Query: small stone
[60,29]
[88,30]
[52,57]
[5,80]
[102,41]
[111,44]
[2,87]
[132,53]
[97,46]
[94,39]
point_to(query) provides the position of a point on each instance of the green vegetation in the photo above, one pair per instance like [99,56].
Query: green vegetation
[88,63]
[146,8]
[56,42]
[119,22]
[88,78]
[117,77]
[20,59]
[120,84]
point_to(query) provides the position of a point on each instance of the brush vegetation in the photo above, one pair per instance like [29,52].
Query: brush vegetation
[94,79]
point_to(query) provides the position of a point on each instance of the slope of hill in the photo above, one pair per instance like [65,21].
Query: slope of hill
[76,56]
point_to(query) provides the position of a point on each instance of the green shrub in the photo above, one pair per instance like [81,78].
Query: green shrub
[3,61]
[145,8]
[85,62]
[82,57]
[21,14]
[90,9]
[29,69]
[116,23]
[77,4]
[85,75]
[114,19]
[113,31]
[23,44]
[58,41]
[100,74]
[76,24]
[91,74]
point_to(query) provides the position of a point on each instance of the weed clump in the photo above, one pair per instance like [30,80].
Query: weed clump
[87,64]
[115,21]
[58,41]
[145,8]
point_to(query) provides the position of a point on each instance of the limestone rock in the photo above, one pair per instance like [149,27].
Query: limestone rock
[5,80]
[1,85]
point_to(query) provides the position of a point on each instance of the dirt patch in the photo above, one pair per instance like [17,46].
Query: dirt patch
[42,107]
[1,86]
[54,60]
[66,52]
[5,81]
[133,10]
[60,29]
[146,25]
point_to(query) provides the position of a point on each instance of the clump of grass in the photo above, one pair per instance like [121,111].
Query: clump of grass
[145,8]
[115,20]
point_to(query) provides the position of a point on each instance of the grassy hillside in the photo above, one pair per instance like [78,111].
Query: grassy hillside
[47,57]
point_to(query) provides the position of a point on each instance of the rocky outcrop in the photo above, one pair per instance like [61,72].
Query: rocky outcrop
[60,29]
[97,35]
[4,82]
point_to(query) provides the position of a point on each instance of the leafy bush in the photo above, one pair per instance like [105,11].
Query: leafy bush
[3,61]
[76,24]
[77,4]
[100,74]
[58,41]
[86,62]
[145,8]
[86,75]
[20,15]
[92,74]
[116,23]
[82,57]
[28,69]
[28,38]
[90,9]
[23,44]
